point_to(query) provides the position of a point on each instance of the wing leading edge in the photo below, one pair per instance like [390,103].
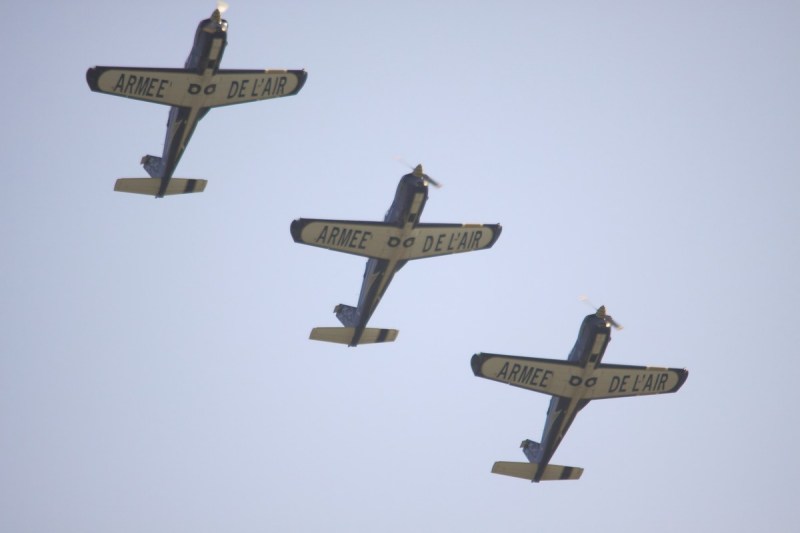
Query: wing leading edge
[185,88]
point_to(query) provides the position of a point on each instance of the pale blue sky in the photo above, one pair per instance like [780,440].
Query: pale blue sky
[155,372]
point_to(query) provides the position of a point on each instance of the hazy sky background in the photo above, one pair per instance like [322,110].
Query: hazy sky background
[155,368]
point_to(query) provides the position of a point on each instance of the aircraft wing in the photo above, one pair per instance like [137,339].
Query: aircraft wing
[185,88]
[430,240]
[242,86]
[168,86]
[617,381]
[561,378]
[367,239]
[550,376]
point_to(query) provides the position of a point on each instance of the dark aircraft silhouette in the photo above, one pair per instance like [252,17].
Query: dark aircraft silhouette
[572,384]
[389,245]
[191,92]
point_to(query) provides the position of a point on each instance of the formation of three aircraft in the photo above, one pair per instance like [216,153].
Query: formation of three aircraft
[201,84]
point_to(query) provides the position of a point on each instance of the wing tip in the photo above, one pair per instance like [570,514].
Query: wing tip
[296,229]
[683,374]
[498,229]
[92,75]
[302,76]
[476,362]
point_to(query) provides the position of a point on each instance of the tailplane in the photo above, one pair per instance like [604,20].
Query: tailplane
[347,335]
[152,186]
[529,471]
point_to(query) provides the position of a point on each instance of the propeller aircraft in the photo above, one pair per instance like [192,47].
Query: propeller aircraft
[388,245]
[572,384]
[190,92]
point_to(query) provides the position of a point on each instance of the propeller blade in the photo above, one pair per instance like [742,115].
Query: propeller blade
[420,174]
[601,313]
[433,182]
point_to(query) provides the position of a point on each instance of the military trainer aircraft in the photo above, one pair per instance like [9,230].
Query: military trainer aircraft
[388,245]
[191,92]
[572,384]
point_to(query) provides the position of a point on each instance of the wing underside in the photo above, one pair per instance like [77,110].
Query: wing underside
[431,240]
[387,241]
[367,239]
[567,380]
[549,376]
[618,381]
[185,88]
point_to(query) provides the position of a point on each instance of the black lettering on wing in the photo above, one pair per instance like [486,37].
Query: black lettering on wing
[334,234]
[344,237]
[120,86]
[267,91]
[141,86]
[476,239]
[233,89]
[323,235]
[503,371]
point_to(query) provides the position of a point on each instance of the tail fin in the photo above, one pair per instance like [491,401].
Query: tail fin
[531,449]
[152,186]
[528,471]
[153,165]
[347,335]
[347,315]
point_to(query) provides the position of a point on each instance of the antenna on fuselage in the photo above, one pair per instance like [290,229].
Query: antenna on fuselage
[601,312]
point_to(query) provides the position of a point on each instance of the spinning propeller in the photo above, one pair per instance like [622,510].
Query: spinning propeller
[420,174]
[216,16]
[601,313]
[417,171]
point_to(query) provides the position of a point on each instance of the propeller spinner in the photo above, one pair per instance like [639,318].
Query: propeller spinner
[420,174]
[601,313]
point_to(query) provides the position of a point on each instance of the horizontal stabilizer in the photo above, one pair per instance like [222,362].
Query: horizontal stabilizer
[346,335]
[152,186]
[528,471]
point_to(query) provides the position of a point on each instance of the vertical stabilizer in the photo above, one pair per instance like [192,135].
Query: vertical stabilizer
[532,450]
[153,165]
[347,315]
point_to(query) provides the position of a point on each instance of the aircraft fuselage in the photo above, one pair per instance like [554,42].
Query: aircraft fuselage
[209,45]
[593,338]
[409,201]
